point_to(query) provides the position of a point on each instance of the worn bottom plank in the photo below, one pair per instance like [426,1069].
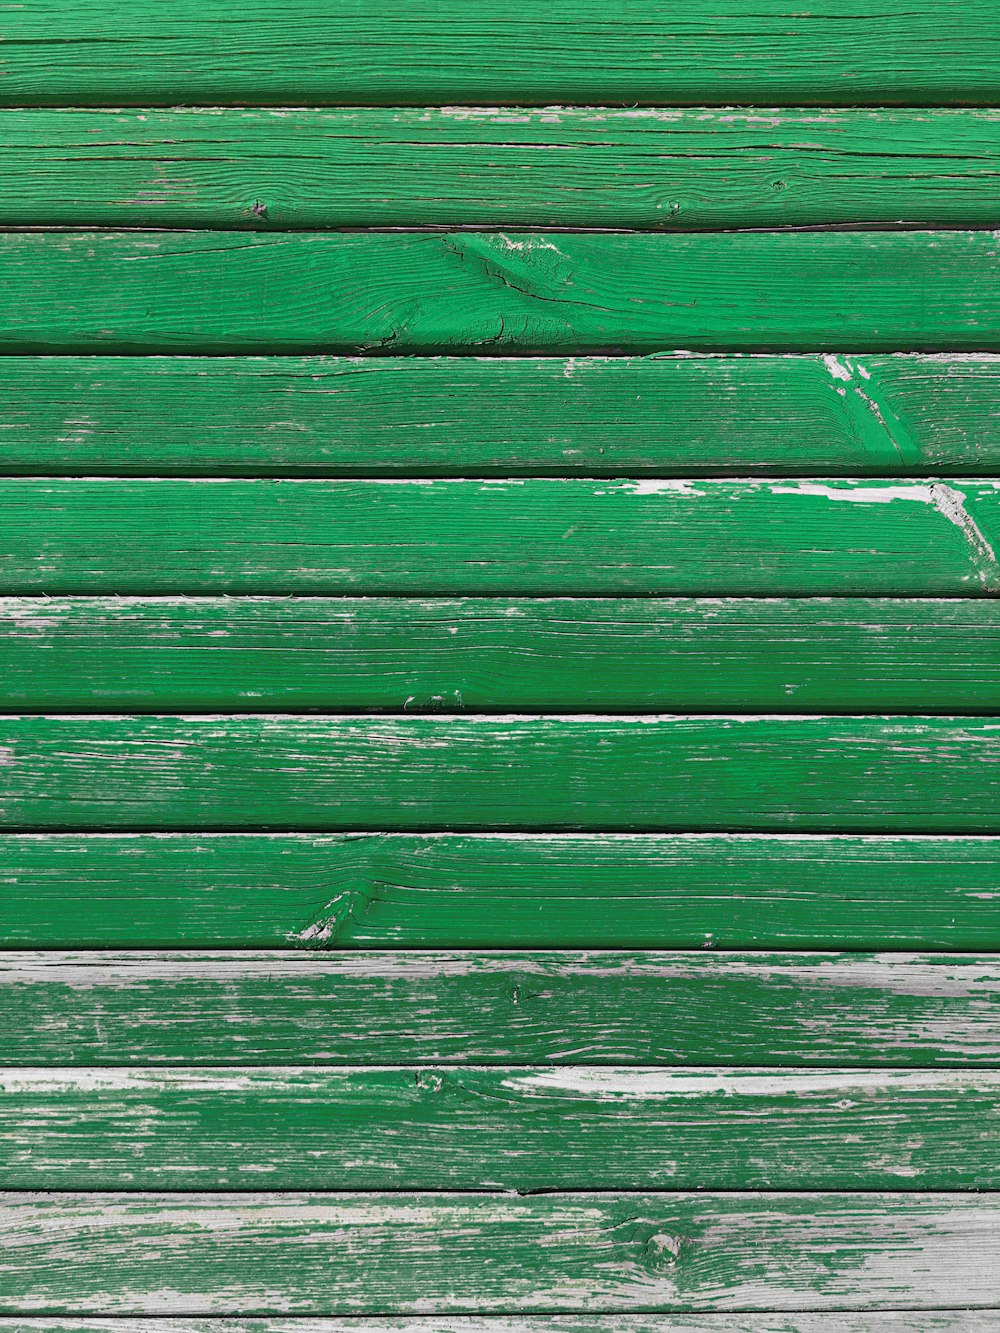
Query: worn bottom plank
[514,1129]
[564,1008]
[489,891]
[349,1253]
[925,1321]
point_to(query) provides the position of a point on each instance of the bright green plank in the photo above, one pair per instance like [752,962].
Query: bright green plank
[315,1253]
[414,292]
[542,51]
[520,536]
[906,775]
[254,654]
[481,891]
[467,416]
[516,1129]
[559,1008]
[568,167]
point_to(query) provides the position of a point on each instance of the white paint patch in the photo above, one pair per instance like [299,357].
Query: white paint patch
[659,486]
[950,503]
[866,495]
[837,369]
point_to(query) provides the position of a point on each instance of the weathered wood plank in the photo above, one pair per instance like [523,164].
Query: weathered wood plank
[515,1129]
[244,654]
[544,51]
[652,772]
[318,1254]
[502,416]
[560,1008]
[482,891]
[515,167]
[517,536]
[925,1321]
[421,292]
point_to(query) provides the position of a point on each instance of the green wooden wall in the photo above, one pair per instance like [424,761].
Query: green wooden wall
[499,667]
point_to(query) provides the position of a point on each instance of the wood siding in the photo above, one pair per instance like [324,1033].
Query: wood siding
[499,667]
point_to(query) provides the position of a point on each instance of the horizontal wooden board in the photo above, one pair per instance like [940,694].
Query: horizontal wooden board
[317,1254]
[513,167]
[247,654]
[541,52]
[519,536]
[502,416]
[559,1008]
[515,1129]
[482,891]
[767,774]
[924,1321]
[523,292]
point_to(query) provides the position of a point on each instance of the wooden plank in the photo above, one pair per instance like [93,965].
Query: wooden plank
[482,891]
[651,772]
[502,416]
[523,292]
[513,167]
[200,1254]
[522,1129]
[518,536]
[244,654]
[559,1008]
[933,1321]
[544,51]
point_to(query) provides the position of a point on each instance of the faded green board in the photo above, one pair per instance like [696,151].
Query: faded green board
[515,167]
[315,1253]
[543,51]
[521,536]
[768,774]
[494,891]
[514,1129]
[468,416]
[252,654]
[560,1008]
[418,292]
[927,1321]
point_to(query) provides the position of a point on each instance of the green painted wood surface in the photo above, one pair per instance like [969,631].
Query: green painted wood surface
[483,891]
[254,654]
[520,536]
[502,416]
[561,1008]
[758,773]
[514,167]
[513,1129]
[939,1321]
[332,1253]
[419,292]
[361,53]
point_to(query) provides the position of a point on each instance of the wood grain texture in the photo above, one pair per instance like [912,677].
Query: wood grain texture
[562,1008]
[514,1129]
[521,536]
[502,416]
[416,53]
[683,170]
[252,654]
[653,772]
[317,1254]
[425,292]
[924,1321]
[483,891]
